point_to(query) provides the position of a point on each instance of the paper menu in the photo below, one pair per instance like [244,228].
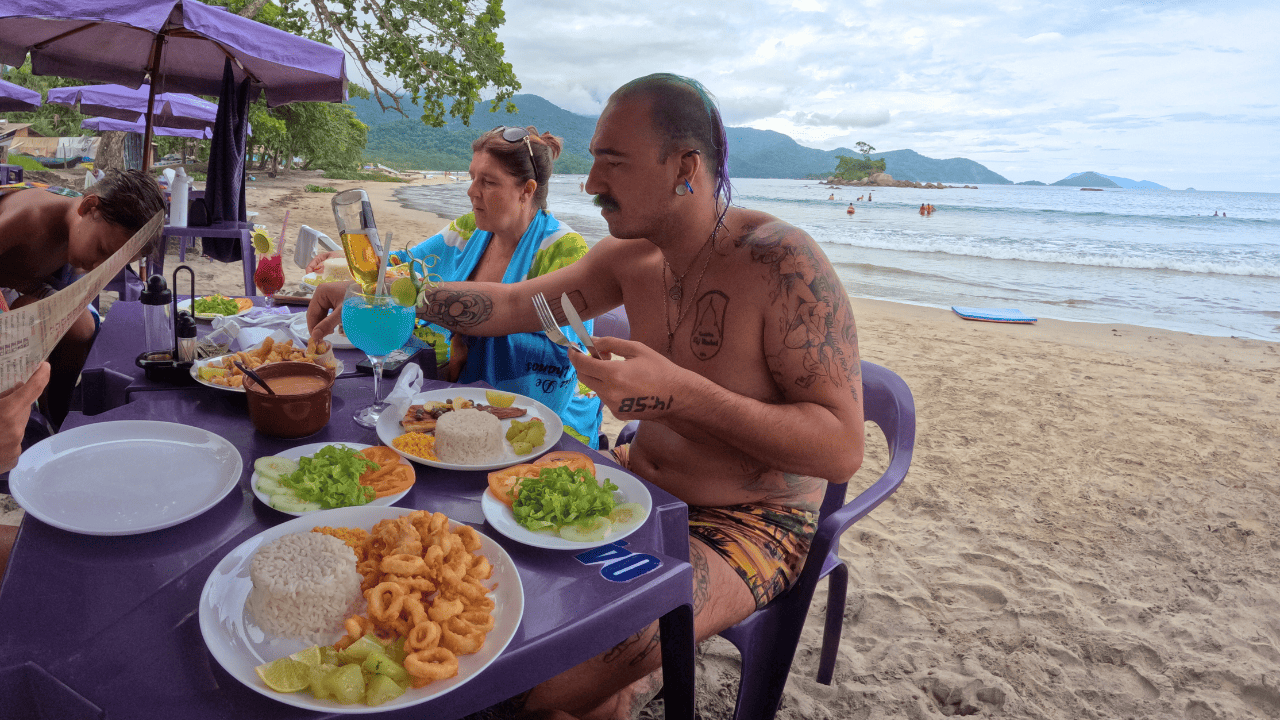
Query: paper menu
[29,334]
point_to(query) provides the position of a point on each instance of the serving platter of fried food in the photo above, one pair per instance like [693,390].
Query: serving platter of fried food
[399,554]
[221,373]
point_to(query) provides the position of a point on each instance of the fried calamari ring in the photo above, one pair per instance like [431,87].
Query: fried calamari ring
[423,636]
[357,627]
[478,620]
[385,601]
[460,637]
[480,568]
[443,609]
[470,538]
[435,664]
[403,564]
[412,583]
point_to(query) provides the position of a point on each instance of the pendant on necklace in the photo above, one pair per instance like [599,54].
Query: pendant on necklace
[675,292]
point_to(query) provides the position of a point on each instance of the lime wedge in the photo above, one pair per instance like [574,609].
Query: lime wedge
[285,675]
[499,399]
[404,292]
[310,656]
[208,373]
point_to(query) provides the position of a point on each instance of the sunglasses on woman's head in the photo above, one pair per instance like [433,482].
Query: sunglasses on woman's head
[516,134]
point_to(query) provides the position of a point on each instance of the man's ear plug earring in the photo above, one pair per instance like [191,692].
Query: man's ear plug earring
[687,189]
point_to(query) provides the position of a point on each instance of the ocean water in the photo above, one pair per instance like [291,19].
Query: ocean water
[1141,257]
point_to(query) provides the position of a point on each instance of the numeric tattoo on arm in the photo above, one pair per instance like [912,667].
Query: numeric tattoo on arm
[458,309]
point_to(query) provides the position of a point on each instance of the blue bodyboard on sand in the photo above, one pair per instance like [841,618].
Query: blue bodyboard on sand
[1004,315]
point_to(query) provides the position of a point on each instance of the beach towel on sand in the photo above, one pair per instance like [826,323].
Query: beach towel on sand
[1004,315]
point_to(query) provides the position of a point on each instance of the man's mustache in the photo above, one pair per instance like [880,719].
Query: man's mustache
[604,202]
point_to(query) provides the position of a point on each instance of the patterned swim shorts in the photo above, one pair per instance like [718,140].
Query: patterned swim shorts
[765,543]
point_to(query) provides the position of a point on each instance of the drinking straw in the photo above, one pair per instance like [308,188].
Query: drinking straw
[283,226]
[381,289]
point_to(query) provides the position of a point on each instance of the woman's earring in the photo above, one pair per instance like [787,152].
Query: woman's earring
[680,189]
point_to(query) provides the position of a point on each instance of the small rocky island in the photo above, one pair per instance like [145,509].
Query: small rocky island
[886,180]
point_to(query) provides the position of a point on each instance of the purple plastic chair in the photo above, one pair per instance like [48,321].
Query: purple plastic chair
[767,639]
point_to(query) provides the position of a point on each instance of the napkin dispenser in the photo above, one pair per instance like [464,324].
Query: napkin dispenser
[166,365]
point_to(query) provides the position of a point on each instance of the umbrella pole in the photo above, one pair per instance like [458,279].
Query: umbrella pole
[152,71]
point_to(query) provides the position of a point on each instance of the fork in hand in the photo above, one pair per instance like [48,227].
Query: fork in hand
[549,325]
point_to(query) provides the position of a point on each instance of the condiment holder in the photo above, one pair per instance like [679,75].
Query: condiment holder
[173,365]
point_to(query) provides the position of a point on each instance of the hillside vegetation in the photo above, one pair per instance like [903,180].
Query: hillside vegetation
[408,144]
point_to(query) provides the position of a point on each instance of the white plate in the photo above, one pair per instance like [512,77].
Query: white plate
[311,449]
[186,305]
[125,477]
[339,368]
[389,427]
[299,326]
[239,645]
[629,490]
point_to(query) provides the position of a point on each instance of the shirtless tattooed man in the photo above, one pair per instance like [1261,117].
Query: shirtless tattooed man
[742,366]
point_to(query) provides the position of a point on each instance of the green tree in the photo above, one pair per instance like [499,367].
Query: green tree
[48,120]
[437,52]
[865,149]
[852,168]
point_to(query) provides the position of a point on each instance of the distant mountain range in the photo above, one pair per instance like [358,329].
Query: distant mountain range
[1098,180]
[1125,183]
[408,144]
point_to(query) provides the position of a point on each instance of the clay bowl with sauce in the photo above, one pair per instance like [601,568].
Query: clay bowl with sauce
[300,407]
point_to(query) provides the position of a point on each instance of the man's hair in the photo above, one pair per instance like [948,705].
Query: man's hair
[128,199]
[531,160]
[684,114]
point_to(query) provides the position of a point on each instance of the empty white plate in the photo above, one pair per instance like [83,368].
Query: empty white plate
[125,477]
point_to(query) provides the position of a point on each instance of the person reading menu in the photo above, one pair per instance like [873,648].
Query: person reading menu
[742,369]
[49,235]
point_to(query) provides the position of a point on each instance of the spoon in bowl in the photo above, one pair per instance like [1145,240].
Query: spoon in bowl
[256,377]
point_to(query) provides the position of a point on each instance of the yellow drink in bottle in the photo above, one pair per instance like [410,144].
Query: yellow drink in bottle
[361,258]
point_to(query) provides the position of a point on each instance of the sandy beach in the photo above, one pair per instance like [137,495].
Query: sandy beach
[1088,530]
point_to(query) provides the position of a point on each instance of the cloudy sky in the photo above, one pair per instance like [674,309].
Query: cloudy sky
[1183,93]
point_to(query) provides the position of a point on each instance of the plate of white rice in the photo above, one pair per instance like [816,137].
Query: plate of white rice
[240,643]
[487,450]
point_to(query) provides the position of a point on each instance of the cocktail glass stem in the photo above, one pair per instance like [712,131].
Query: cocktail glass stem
[368,417]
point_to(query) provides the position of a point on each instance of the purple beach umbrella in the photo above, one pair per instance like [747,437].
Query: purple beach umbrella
[15,98]
[180,45]
[172,110]
[106,124]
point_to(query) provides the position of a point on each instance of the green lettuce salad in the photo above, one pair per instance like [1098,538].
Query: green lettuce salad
[215,305]
[559,497]
[331,477]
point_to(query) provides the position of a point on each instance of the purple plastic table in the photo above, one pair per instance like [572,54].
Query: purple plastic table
[108,626]
[112,377]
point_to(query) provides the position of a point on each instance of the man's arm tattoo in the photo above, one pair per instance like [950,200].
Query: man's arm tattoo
[458,309]
[816,318]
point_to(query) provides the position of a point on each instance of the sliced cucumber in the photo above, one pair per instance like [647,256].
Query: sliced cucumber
[291,503]
[626,514]
[268,485]
[595,529]
[274,467]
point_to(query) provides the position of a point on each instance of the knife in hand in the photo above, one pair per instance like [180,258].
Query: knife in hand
[576,323]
